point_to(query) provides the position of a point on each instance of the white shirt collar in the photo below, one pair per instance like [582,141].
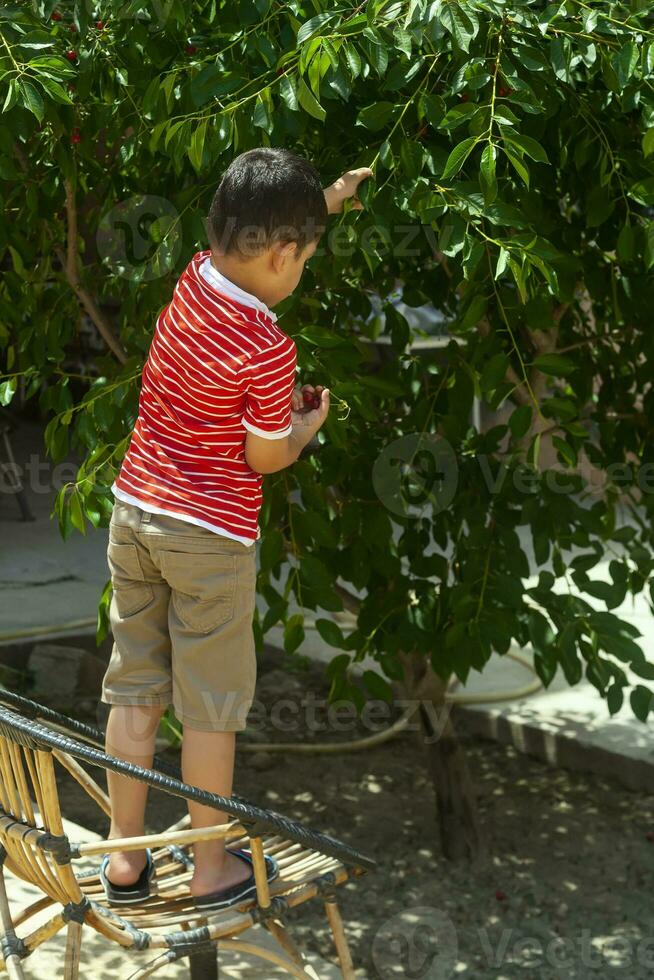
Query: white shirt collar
[225,285]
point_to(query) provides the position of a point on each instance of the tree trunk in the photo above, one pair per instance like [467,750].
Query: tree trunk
[458,821]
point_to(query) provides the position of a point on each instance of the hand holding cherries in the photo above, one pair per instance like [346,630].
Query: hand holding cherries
[306,399]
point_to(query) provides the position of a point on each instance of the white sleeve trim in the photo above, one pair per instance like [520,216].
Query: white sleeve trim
[267,435]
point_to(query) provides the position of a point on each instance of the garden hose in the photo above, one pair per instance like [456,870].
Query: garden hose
[356,745]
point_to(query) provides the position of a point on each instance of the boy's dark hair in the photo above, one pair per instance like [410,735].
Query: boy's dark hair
[266,195]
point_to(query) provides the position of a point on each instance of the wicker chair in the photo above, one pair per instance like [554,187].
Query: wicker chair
[34,847]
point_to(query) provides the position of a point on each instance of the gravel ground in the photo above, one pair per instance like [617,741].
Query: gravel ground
[565,890]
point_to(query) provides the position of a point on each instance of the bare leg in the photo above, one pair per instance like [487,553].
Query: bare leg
[131,733]
[208,763]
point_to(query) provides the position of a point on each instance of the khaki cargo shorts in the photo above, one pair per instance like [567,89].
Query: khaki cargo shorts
[181,615]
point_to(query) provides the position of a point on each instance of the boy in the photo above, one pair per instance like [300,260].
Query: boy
[218,408]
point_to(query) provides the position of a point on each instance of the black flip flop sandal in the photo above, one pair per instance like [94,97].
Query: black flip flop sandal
[141,889]
[234,894]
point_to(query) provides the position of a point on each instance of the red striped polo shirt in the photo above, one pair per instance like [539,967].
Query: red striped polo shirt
[218,366]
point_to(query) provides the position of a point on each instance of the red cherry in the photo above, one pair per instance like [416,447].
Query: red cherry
[191,49]
[73,28]
[75,137]
[464,97]
[99,25]
[307,397]
[502,92]
[71,55]
[317,401]
[55,15]
[500,895]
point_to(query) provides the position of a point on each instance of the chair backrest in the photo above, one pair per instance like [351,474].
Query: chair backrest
[31,829]
[36,729]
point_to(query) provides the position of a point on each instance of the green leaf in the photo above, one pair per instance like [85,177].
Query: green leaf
[7,390]
[377,53]
[412,155]
[375,116]
[493,372]
[458,24]
[474,312]
[643,191]
[528,145]
[272,549]
[626,245]
[518,165]
[54,89]
[555,364]
[196,147]
[320,336]
[288,93]
[76,512]
[312,27]
[377,685]
[353,60]
[502,262]
[32,100]
[458,156]
[262,117]
[402,40]
[366,191]
[309,102]
[386,155]
[624,62]
[520,421]
[642,702]
[432,108]
[614,698]
[293,633]
[331,633]
[13,93]
[566,450]
[648,142]
[487,176]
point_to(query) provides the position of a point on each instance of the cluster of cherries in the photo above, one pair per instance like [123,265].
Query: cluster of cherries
[311,400]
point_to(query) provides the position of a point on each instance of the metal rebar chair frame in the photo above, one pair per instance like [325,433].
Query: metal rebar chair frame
[34,847]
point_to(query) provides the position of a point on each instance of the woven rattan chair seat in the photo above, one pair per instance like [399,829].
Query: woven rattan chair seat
[34,846]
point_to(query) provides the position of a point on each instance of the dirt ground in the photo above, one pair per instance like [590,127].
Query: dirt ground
[566,890]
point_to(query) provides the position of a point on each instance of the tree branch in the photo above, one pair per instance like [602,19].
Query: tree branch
[70,265]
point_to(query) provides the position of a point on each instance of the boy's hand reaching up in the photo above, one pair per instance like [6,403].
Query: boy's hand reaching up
[346,186]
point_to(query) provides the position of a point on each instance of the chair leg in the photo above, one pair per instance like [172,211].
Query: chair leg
[73,950]
[281,934]
[12,960]
[340,940]
[204,966]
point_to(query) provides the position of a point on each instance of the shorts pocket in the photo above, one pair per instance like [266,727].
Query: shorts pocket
[203,587]
[131,592]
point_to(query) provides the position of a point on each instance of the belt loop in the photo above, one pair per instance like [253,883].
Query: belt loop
[146,517]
